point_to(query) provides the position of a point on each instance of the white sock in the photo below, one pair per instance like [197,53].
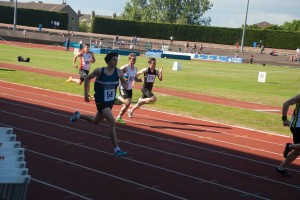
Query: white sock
[116,149]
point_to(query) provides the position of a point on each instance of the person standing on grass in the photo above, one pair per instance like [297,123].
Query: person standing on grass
[149,77]
[86,58]
[107,80]
[68,44]
[291,151]
[130,73]
[251,59]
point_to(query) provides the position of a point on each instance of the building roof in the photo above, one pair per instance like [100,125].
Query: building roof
[36,5]
[263,24]
[85,17]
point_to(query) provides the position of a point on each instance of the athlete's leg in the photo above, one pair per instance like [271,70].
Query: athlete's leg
[75,80]
[126,104]
[94,119]
[107,114]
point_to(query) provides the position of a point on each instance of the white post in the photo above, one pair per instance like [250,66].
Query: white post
[242,44]
[15,14]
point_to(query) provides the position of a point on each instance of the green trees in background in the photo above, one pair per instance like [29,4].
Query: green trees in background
[84,27]
[168,11]
[287,26]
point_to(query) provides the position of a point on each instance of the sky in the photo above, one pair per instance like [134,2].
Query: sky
[224,13]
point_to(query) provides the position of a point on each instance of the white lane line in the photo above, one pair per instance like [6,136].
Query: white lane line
[171,114]
[136,161]
[60,188]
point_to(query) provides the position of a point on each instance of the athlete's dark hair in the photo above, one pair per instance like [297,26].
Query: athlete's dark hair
[110,55]
[151,59]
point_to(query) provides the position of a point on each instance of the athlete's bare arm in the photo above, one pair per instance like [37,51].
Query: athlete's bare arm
[75,58]
[92,75]
[93,60]
[285,108]
[159,73]
[122,79]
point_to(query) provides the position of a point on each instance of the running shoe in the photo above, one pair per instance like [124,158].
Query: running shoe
[130,113]
[91,97]
[120,153]
[283,172]
[69,79]
[120,120]
[287,150]
[75,117]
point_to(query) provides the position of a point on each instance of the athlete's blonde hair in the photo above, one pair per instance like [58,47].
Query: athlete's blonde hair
[131,55]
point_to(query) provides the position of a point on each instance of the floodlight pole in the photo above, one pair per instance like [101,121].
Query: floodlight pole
[15,15]
[242,44]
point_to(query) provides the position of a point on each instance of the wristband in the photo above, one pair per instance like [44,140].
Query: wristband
[284,118]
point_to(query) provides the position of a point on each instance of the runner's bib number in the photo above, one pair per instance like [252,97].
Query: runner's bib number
[109,95]
[150,78]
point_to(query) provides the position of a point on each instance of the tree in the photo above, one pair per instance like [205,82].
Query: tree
[287,26]
[168,11]
[291,26]
[84,27]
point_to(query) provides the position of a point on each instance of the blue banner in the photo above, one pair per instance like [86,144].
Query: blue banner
[154,53]
[235,60]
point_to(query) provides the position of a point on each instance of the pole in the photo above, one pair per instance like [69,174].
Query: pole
[15,15]
[242,45]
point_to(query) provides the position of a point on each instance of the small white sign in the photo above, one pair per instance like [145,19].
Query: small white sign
[176,66]
[262,77]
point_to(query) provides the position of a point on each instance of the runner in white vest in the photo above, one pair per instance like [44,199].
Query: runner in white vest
[86,59]
[130,74]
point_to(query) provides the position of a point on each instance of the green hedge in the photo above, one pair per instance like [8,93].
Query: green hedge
[30,17]
[217,35]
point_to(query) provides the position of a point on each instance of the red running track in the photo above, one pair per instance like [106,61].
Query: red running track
[170,156]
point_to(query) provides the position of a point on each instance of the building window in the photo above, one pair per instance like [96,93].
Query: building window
[73,19]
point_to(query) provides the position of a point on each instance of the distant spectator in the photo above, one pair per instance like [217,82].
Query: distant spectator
[194,48]
[131,47]
[237,46]
[171,39]
[117,38]
[40,27]
[274,53]
[57,24]
[187,45]
[80,45]
[292,58]
[201,48]
[134,40]
[251,59]
[298,51]
[260,44]
[262,49]
[236,54]
[24,33]
[54,24]
[68,44]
